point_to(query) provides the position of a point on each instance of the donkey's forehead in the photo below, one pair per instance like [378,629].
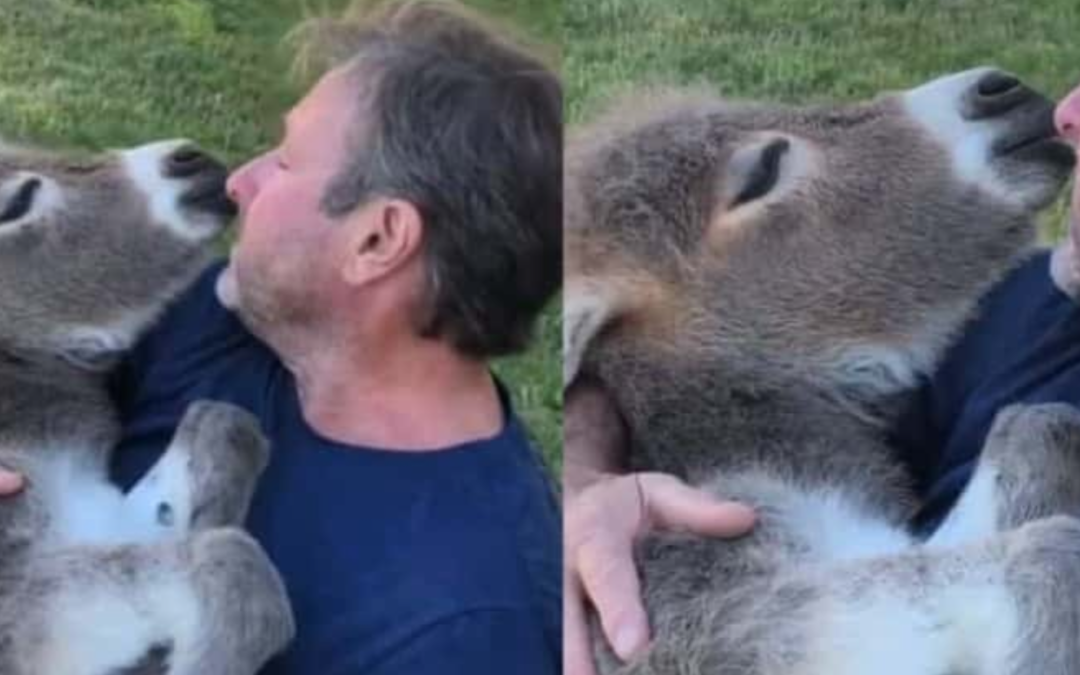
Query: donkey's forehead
[731,119]
[26,156]
[654,149]
[64,167]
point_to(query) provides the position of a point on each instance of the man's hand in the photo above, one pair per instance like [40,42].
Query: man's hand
[10,482]
[604,514]
[601,524]
[1065,263]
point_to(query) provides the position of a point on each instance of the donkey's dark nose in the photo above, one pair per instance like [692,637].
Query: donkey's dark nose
[996,83]
[996,93]
[189,161]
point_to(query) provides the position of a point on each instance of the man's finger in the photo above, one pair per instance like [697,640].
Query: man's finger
[577,649]
[670,504]
[607,573]
[10,482]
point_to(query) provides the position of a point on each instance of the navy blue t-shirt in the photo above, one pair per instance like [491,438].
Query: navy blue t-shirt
[396,563]
[1024,347]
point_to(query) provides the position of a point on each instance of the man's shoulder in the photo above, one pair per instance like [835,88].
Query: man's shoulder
[197,310]
[1013,318]
[196,346]
[1023,345]
[1030,277]
[193,323]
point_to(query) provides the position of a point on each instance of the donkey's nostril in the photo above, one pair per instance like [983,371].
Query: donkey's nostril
[996,84]
[996,94]
[188,161]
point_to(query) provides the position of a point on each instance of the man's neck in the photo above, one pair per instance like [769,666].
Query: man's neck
[406,394]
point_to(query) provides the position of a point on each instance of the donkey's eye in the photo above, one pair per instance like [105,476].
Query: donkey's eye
[21,202]
[766,171]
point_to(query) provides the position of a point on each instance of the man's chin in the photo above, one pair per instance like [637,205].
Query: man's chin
[226,289]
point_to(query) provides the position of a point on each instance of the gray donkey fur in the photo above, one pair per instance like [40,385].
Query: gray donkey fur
[757,286]
[92,581]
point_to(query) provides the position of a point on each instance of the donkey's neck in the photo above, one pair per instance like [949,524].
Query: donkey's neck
[43,401]
[698,420]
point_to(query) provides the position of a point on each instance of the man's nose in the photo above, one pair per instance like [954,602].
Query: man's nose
[238,186]
[1067,116]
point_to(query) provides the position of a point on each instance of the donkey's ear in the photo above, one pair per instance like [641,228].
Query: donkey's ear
[587,309]
[94,349]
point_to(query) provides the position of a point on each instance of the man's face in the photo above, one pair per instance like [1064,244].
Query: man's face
[284,262]
[1067,121]
[1065,263]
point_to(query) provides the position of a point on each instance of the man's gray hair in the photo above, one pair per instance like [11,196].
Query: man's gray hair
[462,122]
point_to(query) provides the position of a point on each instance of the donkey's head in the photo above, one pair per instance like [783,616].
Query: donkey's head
[92,248]
[844,243]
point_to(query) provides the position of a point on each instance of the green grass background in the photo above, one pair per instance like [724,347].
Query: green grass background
[93,74]
[814,50]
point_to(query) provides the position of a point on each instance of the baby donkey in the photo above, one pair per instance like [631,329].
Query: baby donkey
[759,286]
[94,581]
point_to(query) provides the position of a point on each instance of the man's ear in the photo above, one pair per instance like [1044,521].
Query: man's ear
[383,235]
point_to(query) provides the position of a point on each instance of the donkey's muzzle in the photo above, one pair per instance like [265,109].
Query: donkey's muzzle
[1023,117]
[997,94]
[206,177]
[188,161]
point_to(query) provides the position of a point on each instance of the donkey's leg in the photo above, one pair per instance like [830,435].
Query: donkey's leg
[207,476]
[1007,605]
[1029,469]
[209,604]
[244,604]
[95,610]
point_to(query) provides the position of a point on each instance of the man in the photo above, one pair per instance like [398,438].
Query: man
[406,229]
[1025,347]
